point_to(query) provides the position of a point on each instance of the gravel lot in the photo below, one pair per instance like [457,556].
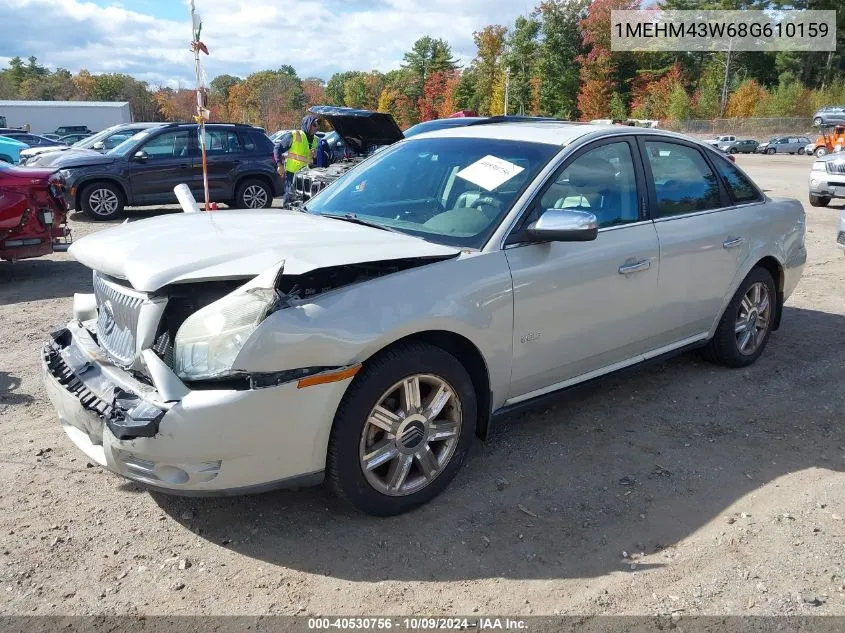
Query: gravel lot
[681,488]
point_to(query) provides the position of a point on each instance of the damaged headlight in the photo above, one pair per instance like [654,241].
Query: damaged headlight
[209,340]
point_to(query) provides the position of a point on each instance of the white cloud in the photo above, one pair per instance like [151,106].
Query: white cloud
[317,38]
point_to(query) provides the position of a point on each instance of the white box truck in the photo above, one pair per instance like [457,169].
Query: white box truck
[46,117]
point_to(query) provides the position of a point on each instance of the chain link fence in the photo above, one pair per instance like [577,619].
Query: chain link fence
[759,129]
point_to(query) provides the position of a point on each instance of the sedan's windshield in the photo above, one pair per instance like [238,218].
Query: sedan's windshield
[452,191]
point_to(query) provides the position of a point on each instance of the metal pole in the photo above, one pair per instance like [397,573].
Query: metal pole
[725,83]
[507,87]
[197,46]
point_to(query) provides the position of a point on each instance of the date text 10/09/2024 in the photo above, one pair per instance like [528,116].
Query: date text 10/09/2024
[417,624]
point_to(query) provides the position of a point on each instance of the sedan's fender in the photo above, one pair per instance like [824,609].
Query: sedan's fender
[471,296]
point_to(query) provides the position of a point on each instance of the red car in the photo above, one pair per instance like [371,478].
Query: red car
[33,213]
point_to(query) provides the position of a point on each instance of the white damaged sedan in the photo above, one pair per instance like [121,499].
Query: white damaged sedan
[452,277]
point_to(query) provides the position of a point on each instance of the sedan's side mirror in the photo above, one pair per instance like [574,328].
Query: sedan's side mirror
[98,146]
[564,225]
[140,156]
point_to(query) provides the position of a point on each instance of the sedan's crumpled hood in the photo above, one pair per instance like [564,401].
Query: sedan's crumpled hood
[185,247]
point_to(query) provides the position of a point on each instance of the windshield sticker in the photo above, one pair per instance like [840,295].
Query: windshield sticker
[489,172]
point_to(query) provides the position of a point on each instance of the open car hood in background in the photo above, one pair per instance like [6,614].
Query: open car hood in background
[361,129]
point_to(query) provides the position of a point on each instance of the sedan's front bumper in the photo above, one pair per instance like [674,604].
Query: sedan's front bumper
[209,442]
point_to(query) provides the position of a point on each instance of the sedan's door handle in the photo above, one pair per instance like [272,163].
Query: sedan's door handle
[733,242]
[627,269]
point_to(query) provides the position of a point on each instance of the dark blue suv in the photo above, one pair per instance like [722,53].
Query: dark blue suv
[145,168]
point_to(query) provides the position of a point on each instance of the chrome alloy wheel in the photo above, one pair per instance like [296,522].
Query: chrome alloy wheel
[255,197]
[103,201]
[753,320]
[410,435]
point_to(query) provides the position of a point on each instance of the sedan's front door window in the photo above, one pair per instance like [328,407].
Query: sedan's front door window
[600,181]
[683,182]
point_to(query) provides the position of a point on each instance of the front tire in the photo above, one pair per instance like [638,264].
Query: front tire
[819,201]
[402,431]
[745,327]
[254,194]
[770,150]
[820,151]
[102,201]
[732,150]
[817,121]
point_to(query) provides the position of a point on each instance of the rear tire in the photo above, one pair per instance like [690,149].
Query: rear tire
[102,201]
[745,326]
[254,194]
[387,472]
[819,201]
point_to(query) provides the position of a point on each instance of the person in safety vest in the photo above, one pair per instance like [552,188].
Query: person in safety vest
[301,148]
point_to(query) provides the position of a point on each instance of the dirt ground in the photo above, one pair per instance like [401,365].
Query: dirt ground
[682,488]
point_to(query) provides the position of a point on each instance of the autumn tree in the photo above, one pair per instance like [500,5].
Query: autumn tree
[438,98]
[653,91]
[176,105]
[617,107]
[560,46]
[218,93]
[521,60]
[745,100]
[678,107]
[487,64]
[598,70]
[427,55]
[314,91]
[335,87]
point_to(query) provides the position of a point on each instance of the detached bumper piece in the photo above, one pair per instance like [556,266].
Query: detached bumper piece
[132,417]
[126,414]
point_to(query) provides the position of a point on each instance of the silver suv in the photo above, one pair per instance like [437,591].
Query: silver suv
[829,114]
[447,280]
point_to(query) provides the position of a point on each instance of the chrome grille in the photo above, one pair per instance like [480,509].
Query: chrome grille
[117,319]
[836,166]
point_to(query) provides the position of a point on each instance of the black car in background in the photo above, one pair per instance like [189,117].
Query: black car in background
[145,168]
[64,130]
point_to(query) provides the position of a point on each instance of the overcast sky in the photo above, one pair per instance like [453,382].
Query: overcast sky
[149,38]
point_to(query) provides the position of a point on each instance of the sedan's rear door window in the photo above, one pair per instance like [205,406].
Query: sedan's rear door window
[741,188]
[683,182]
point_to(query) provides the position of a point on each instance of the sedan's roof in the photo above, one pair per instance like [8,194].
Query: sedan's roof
[550,133]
